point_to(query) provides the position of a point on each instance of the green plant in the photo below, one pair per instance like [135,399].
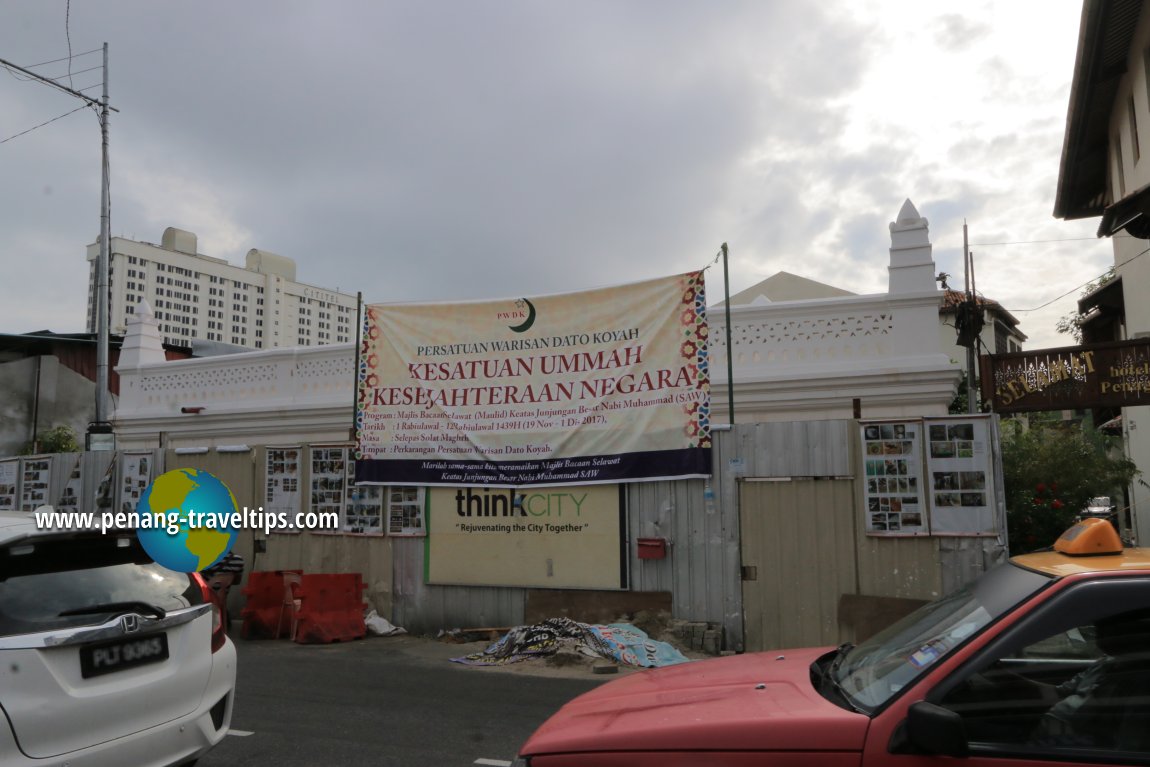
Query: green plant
[1050,470]
[61,439]
[1071,324]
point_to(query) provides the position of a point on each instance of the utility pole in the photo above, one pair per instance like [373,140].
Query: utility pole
[102,426]
[100,435]
[968,319]
[730,351]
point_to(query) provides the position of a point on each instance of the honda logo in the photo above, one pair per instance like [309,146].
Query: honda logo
[130,623]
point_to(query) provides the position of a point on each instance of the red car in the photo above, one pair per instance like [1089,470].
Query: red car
[1043,660]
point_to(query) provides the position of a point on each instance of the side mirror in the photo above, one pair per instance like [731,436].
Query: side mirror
[931,729]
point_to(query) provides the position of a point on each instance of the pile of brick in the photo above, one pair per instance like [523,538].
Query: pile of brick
[698,636]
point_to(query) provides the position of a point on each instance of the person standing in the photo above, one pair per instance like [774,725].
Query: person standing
[221,576]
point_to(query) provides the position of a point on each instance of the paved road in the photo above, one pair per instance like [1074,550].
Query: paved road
[382,701]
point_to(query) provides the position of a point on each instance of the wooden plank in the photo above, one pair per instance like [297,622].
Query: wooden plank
[864,616]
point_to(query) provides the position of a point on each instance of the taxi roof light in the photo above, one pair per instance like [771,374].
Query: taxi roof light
[1090,537]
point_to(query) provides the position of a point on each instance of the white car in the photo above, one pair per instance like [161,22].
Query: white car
[106,658]
[1100,506]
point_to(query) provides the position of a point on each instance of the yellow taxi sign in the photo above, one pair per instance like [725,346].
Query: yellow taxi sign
[1090,537]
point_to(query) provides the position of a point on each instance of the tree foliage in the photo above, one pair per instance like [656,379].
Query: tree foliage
[61,439]
[1071,324]
[1050,471]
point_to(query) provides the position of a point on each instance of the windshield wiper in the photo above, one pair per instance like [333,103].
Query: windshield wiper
[822,666]
[120,608]
[837,661]
[829,684]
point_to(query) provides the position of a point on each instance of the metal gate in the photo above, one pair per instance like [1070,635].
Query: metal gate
[799,555]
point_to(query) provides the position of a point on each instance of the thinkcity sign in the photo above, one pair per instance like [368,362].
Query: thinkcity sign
[1075,377]
[600,386]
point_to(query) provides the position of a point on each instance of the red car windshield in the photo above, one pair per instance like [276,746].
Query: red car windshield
[875,671]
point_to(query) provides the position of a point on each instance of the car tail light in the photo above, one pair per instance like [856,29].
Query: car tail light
[219,630]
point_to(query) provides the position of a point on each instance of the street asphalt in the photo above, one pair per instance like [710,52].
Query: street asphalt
[386,701]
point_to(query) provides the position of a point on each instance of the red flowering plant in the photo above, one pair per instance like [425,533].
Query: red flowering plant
[1050,470]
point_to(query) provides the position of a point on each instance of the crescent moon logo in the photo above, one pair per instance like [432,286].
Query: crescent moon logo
[524,326]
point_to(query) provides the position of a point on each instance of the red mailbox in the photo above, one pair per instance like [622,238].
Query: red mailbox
[652,548]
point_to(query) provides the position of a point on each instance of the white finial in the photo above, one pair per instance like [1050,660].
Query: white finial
[908,213]
[911,265]
[142,343]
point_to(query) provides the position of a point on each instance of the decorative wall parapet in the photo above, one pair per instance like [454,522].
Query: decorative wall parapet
[798,337]
[791,359]
[293,378]
[813,358]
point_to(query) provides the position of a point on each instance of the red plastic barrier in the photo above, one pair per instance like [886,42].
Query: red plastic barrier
[264,613]
[331,608]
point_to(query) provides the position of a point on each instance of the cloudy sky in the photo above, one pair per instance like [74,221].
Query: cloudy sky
[454,149]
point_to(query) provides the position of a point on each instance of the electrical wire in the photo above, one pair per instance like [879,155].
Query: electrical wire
[96,68]
[17,75]
[1039,242]
[68,35]
[1064,295]
[66,58]
[41,125]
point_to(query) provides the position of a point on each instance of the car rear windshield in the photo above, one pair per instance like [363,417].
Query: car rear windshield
[44,576]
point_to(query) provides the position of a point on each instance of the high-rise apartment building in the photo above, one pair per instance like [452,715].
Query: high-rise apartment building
[199,297]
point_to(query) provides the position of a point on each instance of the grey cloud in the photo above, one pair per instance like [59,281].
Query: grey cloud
[437,151]
[956,33]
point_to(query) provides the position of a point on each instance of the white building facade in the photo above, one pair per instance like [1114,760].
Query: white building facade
[793,360]
[1105,171]
[193,296]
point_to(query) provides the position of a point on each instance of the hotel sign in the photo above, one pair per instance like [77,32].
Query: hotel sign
[1074,377]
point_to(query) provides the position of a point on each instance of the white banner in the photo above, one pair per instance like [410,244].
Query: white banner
[606,385]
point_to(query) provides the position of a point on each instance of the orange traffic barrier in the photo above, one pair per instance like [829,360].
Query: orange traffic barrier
[330,608]
[263,611]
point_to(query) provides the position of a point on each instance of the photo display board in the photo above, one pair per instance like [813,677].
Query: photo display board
[282,485]
[364,507]
[960,470]
[9,482]
[554,537]
[69,500]
[930,476]
[405,511]
[37,477]
[106,489]
[330,467]
[135,476]
[893,466]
